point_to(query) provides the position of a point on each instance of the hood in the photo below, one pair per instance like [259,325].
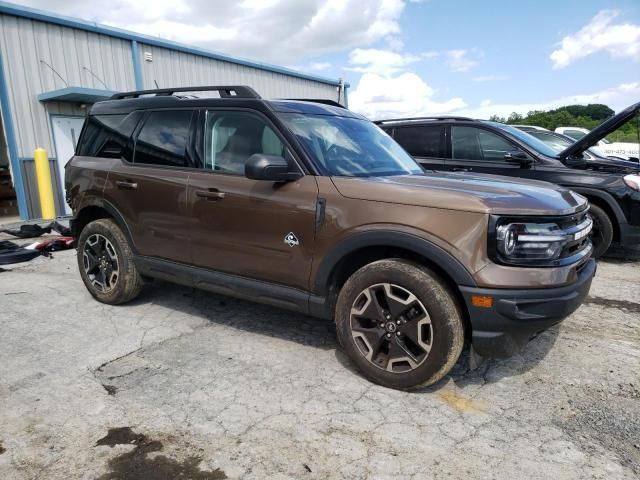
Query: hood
[612,165]
[601,131]
[465,192]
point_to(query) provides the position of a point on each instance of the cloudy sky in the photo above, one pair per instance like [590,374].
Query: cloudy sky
[413,57]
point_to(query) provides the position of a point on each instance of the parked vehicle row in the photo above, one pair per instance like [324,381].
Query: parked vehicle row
[311,207]
[623,150]
[462,144]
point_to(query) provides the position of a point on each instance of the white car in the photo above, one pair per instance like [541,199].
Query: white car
[625,150]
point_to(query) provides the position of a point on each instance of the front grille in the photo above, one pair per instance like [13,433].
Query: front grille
[577,227]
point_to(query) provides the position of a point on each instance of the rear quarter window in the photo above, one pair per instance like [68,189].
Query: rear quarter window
[107,136]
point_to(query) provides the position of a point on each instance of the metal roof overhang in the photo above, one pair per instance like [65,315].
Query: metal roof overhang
[76,95]
[43,16]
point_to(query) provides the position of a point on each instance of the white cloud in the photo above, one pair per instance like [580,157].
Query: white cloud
[379,97]
[619,40]
[617,98]
[382,62]
[272,31]
[462,60]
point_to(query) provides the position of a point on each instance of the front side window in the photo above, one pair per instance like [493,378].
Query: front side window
[232,137]
[421,140]
[471,143]
[163,138]
[350,147]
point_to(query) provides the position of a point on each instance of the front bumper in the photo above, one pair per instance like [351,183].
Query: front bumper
[517,315]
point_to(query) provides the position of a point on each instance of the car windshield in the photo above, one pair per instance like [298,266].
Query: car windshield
[528,139]
[557,143]
[350,147]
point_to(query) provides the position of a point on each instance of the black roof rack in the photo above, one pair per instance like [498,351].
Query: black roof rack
[333,103]
[226,91]
[417,119]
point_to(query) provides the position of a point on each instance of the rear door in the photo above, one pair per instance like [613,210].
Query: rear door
[480,150]
[425,143]
[257,229]
[149,189]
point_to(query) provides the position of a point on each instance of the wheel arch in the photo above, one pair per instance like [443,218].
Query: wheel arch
[363,248]
[95,209]
[608,204]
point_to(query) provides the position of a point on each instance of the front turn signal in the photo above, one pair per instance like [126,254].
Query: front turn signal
[481,301]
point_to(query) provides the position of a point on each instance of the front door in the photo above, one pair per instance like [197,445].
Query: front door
[480,150]
[66,131]
[257,229]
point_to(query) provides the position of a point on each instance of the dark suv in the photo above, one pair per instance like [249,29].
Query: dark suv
[462,144]
[309,207]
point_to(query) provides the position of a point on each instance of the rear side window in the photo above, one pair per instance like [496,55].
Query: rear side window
[163,138]
[421,141]
[107,136]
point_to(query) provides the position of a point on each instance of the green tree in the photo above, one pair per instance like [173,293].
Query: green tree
[583,116]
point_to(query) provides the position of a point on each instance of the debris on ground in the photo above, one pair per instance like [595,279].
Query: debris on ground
[34,230]
[12,253]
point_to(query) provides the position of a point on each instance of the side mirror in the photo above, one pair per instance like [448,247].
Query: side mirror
[269,167]
[516,156]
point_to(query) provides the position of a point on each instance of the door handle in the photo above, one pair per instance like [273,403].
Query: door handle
[460,169]
[126,185]
[212,194]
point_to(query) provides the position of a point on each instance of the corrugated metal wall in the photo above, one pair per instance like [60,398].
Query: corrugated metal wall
[44,54]
[170,68]
[73,53]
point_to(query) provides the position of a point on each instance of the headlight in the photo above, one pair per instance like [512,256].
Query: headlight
[541,243]
[632,181]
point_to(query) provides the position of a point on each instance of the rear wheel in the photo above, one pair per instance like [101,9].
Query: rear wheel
[602,232]
[106,263]
[399,324]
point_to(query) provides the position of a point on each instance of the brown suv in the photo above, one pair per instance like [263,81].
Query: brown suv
[307,206]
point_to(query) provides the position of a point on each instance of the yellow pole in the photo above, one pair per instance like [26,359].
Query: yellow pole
[45,188]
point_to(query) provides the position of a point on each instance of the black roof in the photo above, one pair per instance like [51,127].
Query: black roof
[230,96]
[423,120]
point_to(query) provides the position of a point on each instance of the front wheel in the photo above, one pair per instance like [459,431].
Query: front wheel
[399,323]
[602,232]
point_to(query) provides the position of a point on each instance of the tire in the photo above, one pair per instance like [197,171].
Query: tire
[101,243]
[602,233]
[412,341]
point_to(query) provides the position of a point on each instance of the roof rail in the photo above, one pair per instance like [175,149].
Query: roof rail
[417,119]
[226,91]
[333,103]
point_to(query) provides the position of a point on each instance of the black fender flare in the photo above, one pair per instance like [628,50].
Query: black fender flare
[390,238]
[605,197]
[113,212]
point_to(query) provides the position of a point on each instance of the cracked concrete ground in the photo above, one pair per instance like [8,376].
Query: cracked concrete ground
[187,384]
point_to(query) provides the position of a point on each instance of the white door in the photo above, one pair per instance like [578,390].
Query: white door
[66,131]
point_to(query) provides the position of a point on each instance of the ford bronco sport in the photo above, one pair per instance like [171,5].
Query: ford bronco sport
[308,206]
